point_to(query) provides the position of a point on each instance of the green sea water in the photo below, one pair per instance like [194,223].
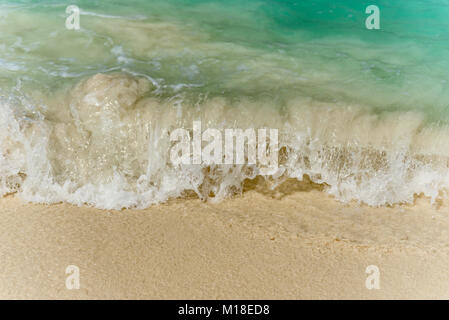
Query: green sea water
[316,48]
[363,111]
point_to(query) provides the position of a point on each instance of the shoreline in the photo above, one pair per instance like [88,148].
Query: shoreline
[303,245]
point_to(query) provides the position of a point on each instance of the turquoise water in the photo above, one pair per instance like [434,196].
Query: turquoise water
[321,47]
[363,112]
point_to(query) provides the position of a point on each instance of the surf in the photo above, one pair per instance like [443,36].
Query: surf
[111,148]
[86,115]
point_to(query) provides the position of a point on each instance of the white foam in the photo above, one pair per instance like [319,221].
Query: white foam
[106,144]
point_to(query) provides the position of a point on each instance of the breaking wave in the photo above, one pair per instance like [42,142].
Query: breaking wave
[105,142]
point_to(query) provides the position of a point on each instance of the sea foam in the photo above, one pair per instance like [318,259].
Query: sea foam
[106,143]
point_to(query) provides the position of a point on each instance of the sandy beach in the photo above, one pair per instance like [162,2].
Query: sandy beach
[191,149]
[300,244]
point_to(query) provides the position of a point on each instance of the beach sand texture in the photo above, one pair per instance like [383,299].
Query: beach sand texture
[302,245]
[360,149]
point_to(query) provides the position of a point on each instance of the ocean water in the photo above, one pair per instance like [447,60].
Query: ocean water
[86,115]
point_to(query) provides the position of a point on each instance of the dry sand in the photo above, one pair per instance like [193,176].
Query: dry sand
[300,244]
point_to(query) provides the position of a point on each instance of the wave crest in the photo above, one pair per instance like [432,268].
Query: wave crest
[106,143]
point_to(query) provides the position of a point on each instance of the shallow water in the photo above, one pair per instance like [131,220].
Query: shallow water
[86,115]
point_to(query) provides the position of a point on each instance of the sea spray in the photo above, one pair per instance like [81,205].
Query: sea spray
[112,149]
